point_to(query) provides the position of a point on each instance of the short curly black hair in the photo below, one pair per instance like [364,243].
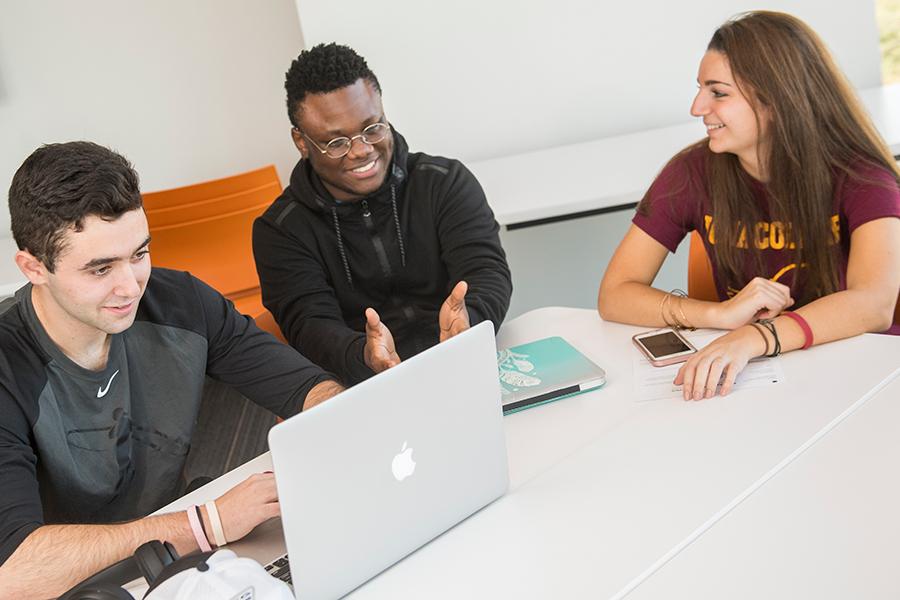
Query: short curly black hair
[321,69]
[59,186]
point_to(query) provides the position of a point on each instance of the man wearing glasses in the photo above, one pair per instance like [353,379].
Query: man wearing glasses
[372,253]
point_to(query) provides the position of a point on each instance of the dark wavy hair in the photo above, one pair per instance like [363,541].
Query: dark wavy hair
[818,132]
[59,185]
[818,135]
[321,69]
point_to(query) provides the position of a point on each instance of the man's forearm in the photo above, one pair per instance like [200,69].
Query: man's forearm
[53,558]
[321,392]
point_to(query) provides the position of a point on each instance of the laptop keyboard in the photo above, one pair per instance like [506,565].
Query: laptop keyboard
[280,569]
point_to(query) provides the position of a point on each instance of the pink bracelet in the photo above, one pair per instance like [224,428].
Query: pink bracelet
[807,331]
[197,528]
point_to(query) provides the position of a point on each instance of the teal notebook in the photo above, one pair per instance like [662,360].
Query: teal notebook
[544,371]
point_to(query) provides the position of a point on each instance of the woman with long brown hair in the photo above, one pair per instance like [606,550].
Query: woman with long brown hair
[794,194]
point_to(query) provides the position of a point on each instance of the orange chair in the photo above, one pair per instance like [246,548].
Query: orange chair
[206,228]
[700,275]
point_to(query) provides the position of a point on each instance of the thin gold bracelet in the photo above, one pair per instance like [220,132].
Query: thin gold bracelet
[662,309]
[687,323]
[678,323]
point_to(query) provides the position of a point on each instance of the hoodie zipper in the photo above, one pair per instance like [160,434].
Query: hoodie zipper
[377,242]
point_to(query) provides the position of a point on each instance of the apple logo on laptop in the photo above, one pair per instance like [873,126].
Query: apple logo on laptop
[403,464]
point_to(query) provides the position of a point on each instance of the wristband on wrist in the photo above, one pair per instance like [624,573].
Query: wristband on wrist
[807,330]
[770,325]
[202,525]
[759,328]
[216,522]
[193,515]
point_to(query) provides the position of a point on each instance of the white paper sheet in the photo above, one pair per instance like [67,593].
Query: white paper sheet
[655,383]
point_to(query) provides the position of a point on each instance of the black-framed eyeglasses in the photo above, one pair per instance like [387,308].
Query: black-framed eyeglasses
[340,146]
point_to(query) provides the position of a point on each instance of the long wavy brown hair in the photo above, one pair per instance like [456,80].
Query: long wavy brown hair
[817,133]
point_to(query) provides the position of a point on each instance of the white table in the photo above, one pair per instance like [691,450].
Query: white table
[826,527]
[613,173]
[604,488]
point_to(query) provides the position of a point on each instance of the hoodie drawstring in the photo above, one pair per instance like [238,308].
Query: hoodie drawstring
[397,224]
[337,231]
[340,241]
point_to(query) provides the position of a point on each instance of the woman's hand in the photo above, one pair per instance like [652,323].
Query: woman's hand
[760,299]
[726,355]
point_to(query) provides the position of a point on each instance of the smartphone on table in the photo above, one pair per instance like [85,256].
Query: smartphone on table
[664,346]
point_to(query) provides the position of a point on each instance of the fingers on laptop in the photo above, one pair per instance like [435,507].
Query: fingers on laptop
[248,504]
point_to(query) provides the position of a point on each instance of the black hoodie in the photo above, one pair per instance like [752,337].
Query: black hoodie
[321,263]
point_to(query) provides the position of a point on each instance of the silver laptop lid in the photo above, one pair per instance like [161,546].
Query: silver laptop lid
[376,472]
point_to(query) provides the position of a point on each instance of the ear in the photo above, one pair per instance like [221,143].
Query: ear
[300,142]
[35,270]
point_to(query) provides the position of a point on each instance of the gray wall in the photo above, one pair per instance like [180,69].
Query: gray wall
[561,264]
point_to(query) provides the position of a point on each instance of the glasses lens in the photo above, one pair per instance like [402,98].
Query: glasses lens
[375,132]
[337,147]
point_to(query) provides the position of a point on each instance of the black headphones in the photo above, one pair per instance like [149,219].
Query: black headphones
[154,561]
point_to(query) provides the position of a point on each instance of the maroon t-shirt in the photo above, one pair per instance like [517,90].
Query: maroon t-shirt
[677,203]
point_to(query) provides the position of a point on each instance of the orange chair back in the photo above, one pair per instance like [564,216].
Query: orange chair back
[700,274]
[206,229]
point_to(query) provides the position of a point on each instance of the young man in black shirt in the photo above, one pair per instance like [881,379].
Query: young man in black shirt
[102,364]
[372,253]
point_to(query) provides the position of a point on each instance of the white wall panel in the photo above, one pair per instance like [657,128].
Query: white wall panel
[476,79]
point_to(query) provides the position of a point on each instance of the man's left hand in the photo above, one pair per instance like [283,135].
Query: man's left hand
[454,318]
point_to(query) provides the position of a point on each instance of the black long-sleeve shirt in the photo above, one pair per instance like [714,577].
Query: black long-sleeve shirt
[81,446]
[321,262]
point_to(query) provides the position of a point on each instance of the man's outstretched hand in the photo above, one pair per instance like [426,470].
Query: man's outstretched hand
[380,353]
[454,318]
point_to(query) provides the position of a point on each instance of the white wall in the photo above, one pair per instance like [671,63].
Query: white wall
[476,79]
[188,90]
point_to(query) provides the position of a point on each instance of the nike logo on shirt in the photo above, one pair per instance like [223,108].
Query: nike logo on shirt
[102,391]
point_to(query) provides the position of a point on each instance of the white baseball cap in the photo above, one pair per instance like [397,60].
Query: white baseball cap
[226,577]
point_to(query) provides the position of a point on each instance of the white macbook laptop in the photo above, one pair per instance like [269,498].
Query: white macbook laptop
[376,472]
